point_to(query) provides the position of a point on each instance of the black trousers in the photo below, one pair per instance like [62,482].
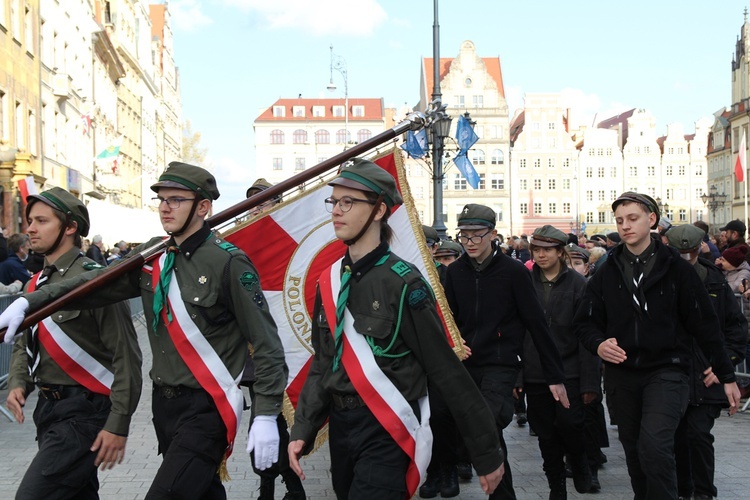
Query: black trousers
[64,466]
[559,430]
[445,436]
[496,384]
[649,406]
[694,451]
[366,463]
[192,441]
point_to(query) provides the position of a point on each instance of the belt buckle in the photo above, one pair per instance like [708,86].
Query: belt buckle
[351,402]
[169,392]
[49,393]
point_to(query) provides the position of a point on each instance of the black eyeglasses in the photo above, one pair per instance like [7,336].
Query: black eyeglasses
[173,202]
[345,203]
[476,239]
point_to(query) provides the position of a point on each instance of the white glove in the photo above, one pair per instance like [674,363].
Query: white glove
[12,317]
[264,439]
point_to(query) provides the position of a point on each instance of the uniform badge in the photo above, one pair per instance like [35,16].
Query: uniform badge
[249,280]
[418,298]
[375,305]
[202,280]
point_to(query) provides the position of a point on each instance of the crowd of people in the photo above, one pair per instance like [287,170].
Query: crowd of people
[644,318]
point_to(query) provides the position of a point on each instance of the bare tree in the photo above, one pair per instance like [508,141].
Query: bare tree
[192,152]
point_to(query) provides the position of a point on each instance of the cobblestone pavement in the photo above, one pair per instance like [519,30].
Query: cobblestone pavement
[131,479]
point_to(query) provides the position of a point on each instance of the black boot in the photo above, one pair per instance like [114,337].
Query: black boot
[464,470]
[266,488]
[595,486]
[557,490]
[449,481]
[581,472]
[294,489]
[431,486]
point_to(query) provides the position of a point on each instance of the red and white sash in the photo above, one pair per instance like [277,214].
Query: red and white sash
[382,397]
[75,362]
[201,358]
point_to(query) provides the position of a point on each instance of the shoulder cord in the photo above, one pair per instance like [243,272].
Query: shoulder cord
[376,349]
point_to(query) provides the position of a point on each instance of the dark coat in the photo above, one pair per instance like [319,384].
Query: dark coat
[95,254]
[494,308]
[678,307]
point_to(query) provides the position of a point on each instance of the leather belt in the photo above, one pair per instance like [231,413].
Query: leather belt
[172,391]
[57,392]
[347,401]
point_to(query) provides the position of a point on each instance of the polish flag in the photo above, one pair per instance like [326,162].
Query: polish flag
[741,164]
[27,187]
[86,122]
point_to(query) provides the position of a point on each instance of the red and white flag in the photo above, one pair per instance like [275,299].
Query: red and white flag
[27,186]
[294,242]
[86,123]
[740,165]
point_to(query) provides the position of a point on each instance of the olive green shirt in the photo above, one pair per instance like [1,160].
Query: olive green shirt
[221,291]
[105,333]
[391,301]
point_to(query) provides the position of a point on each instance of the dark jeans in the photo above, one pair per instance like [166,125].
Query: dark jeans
[649,406]
[694,451]
[64,466]
[559,430]
[496,385]
[366,463]
[192,441]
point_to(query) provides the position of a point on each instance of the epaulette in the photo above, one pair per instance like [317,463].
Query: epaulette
[88,266]
[225,245]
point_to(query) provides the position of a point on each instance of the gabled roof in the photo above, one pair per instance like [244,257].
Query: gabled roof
[374,110]
[614,120]
[491,63]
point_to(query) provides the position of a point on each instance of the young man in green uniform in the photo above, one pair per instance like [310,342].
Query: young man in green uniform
[86,363]
[378,340]
[203,304]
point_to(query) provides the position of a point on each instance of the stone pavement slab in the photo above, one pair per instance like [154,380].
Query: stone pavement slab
[132,478]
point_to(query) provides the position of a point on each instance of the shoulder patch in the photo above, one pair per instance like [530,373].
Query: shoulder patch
[249,280]
[418,297]
[225,245]
[401,268]
[91,265]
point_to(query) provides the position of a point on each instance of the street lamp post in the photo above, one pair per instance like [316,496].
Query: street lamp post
[440,124]
[338,63]
[713,201]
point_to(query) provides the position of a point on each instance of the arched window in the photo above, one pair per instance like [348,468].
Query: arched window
[363,135]
[477,157]
[277,136]
[342,136]
[498,158]
[300,136]
[322,137]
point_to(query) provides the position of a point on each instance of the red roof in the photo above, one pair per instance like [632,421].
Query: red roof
[374,110]
[491,63]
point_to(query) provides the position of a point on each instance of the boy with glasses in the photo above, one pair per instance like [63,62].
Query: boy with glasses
[494,304]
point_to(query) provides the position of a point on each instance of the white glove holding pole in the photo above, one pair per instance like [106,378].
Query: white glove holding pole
[12,318]
[264,439]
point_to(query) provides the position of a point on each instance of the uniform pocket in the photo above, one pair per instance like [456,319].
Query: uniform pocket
[377,327]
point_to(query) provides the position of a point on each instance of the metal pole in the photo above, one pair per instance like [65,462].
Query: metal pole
[437,141]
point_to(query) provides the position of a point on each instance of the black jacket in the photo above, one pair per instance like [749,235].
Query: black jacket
[494,308]
[678,307]
[564,297]
[734,332]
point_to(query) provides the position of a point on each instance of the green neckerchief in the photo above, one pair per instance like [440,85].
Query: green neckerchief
[162,289]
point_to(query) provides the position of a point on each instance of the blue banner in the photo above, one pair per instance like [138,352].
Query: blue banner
[416,143]
[466,138]
[467,169]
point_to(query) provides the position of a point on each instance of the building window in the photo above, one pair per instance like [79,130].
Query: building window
[670,193]
[589,172]
[299,164]
[589,217]
[601,195]
[651,192]
[551,184]
[477,101]
[459,182]
[683,215]
[342,136]
[699,170]
[3,115]
[477,157]
[566,184]
[552,208]
[481,184]
[551,125]
[613,172]
[277,136]
[363,135]
[681,170]
[612,195]
[498,158]
[698,192]
[300,136]
[550,163]
[322,137]
[319,111]
[651,171]
[602,218]
[589,195]
[418,192]
[537,208]
[497,182]
[278,164]
[566,207]
[524,208]
[28,31]
[459,100]
[279,112]
[566,163]
[699,214]
[537,163]
[669,170]
[32,133]
[338,111]
[522,163]
[20,128]
[523,184]
[358,111]
[298,111]
[537,184]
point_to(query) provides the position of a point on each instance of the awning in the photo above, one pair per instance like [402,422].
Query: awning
[116,223]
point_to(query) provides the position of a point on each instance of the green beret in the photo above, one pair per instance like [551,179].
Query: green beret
[448,247]
[685,237]
[65,202]
[365,175]
[474,216]
[258,186]
[180,175]
[643,199]
[577,252]
[548,236]
[430,234]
